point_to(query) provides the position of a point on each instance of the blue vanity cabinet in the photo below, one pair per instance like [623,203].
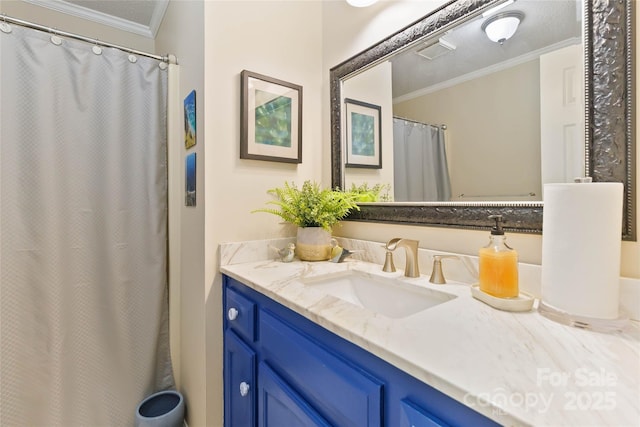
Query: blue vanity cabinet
[305,375]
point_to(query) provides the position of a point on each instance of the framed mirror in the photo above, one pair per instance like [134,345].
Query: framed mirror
[600,141]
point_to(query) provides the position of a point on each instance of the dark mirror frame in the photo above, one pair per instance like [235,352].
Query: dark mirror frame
[609,118]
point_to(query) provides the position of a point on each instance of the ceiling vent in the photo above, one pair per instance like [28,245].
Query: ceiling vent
[439,48]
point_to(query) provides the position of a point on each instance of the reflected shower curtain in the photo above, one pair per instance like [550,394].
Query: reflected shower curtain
[83,204]
[419,163]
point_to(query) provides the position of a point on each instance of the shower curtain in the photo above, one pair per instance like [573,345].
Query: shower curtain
[420,166]
[83,231]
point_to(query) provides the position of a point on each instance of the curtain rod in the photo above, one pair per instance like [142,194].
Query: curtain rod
[442,126]
[487,196]
[5,18]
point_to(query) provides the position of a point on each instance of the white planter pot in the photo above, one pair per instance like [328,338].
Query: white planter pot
[313,244]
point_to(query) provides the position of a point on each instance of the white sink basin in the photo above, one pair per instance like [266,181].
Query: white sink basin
[387,296]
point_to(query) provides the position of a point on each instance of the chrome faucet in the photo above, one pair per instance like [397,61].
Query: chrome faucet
[411,250]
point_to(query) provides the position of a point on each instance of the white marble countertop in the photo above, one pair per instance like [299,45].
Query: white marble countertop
[515,368]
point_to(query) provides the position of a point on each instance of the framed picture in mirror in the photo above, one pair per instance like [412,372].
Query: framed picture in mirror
[271,113]
[363,135]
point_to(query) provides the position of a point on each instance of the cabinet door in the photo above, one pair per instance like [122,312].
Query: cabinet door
[240,313]
[280,405]
[412,415]
[340,390]
[239,382]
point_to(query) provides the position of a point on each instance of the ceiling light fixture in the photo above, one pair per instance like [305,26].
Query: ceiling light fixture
[361,3]
[501,27]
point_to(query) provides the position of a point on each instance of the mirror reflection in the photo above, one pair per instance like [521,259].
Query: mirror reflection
[488,110]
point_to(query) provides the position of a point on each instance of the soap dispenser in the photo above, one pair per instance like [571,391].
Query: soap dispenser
[498,264]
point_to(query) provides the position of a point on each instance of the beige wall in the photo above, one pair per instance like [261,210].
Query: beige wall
[257,36]
[186,224]
[281,39]
[488,119]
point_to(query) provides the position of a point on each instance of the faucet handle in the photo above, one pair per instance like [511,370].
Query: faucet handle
[437,276]
[391,244]
[388,267]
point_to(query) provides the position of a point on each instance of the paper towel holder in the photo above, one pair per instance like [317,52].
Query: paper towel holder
[581,269]
[583,322]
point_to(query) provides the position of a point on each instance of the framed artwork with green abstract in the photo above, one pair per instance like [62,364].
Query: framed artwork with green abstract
[271,119]
[363,129]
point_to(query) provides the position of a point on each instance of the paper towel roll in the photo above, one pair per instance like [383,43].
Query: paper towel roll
[581,240]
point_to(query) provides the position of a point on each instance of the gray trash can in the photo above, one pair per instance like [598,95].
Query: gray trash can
[162,409]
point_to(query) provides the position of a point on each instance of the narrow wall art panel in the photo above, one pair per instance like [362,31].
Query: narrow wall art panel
[190,180]
[190,120]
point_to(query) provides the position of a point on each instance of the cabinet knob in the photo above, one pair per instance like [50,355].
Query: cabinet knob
[232,314]
[244,389]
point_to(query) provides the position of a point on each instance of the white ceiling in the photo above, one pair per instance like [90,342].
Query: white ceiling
[547,25]
[142,17]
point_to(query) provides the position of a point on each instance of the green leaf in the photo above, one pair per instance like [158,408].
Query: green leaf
[310,206]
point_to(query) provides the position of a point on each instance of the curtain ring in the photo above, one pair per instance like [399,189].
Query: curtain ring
[4,27]
[97,49]
[55,39]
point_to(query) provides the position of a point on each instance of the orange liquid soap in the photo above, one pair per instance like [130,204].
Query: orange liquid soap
[499,272]
[498,265]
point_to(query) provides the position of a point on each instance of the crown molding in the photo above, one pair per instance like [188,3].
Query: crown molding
[158,14]
[148,31]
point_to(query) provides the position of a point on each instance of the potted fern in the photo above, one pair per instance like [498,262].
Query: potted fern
[314,210]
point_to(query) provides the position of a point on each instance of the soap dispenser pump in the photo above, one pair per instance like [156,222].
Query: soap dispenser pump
[498,264]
